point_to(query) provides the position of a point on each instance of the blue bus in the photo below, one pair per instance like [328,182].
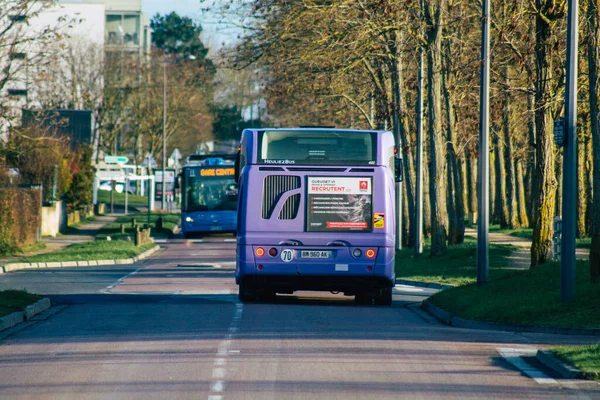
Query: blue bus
[317,212]
[209,195]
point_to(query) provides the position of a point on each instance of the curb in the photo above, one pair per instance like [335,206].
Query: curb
[452,320]
[431,285]
[18,266]
[564,370]
[17,317]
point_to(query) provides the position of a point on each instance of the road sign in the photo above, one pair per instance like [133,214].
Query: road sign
[115,159]
[559,132]
[109,174]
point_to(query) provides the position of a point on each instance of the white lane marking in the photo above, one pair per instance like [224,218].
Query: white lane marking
[514,356]
[111,287]
[194,240]
[160,241]
[406,288]
[219,372]
[230,240]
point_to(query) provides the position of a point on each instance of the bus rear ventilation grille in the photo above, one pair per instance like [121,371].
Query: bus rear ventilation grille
[290,208]
[274,187]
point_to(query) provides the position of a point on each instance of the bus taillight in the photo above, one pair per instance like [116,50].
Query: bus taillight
[370,253]
[272,251]
[259,252]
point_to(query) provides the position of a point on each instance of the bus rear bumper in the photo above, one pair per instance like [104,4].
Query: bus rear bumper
[287,277]
[349,285]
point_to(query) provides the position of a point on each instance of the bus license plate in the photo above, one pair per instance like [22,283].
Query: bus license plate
[315,254]
[216,228]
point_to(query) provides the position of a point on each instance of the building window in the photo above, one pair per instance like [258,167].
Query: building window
[123,29]
[17,92]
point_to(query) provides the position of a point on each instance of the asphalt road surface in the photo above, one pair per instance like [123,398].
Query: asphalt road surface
[170,327]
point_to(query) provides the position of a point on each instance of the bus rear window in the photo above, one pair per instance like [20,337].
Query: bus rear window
[317,147]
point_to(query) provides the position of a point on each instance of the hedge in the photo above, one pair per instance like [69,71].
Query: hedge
[20,217]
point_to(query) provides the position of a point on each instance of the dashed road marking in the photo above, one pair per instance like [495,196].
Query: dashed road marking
[111,287]
[219,372]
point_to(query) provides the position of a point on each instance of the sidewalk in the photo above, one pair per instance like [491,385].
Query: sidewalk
[522,257]
[85,232]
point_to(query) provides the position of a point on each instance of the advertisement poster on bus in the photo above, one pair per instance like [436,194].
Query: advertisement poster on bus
[339,204]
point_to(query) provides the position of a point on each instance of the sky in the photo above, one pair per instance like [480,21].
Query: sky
[214,34]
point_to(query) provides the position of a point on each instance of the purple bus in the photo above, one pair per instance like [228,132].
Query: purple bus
[316,212]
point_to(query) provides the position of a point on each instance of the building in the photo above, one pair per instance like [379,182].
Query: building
[127,27]
[93,29]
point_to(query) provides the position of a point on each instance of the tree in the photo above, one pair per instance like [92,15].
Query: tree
[593,32]
[548,14]
[22,47]
[180,36]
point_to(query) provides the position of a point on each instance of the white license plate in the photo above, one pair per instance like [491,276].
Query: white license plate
[314,254]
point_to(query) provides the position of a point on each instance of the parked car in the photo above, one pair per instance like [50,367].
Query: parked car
[119,187]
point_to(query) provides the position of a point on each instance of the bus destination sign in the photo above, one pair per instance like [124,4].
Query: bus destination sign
[217,172]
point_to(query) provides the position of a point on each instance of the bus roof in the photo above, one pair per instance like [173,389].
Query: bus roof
[196,160]
[316,129]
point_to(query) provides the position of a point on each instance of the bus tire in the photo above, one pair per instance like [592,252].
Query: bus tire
[385,297]
[362,299]
[247,291]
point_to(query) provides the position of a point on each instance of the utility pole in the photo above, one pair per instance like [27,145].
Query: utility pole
[419,184]
[567,259]
[483,181]
[164,139]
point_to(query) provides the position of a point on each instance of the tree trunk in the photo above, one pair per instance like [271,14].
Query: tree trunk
[521,203]
[589,179]
[493,215]
[426,202]
[400,129]
[544,194]
[511,185]
[501,201]
[593,11]
[582,202]
[472,187]
[559,183]
[434,12]
[456,207]
[531,166]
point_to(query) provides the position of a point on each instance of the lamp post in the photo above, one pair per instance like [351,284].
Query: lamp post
[164,138]
[483,181]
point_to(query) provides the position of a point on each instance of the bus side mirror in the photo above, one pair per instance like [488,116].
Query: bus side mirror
[399,170]
[237,167]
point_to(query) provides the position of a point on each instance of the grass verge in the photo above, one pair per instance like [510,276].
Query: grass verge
[456,267]
[15,300]
[586,358]
[27,249]
[529,297]
[170,222]
[92,250]
[132,199]
[527,233]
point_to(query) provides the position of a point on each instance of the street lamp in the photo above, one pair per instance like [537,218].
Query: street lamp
[164,138]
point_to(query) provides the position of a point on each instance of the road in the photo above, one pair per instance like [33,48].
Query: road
[171,327]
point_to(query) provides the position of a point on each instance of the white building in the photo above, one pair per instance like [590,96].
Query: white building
[88,29]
